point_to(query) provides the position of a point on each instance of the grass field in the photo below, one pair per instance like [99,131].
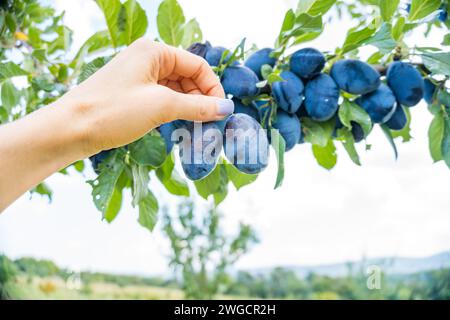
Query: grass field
[55,288]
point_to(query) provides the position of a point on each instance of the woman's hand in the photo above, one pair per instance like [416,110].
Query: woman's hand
[144,86]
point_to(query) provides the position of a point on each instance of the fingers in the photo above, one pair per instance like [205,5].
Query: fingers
[193,71]
[195,107]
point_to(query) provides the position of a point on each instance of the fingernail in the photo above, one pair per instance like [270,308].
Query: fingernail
[225,107]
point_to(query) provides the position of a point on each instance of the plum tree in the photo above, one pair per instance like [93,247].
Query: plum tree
[406,83]
[245,143]
[288,94]
[199,155]
[321,97]
[251,109]
[240,81]
[258,59]
[298,90]
[398,121]
[307,63]
[355,77]
[379,104]
[289,127]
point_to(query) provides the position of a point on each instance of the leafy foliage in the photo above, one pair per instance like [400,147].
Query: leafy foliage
[37,35]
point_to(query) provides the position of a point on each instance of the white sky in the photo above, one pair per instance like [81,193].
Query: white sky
[383,208]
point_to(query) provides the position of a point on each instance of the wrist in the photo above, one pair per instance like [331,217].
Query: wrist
[73,114]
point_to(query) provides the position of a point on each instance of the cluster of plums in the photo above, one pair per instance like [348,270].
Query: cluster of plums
[306,92]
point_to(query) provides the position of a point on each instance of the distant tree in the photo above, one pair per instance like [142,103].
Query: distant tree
[7,275]
[201,253]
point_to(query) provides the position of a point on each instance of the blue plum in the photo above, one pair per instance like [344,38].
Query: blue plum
[199,49]
[199,154]
[240,81]
[166,131]
[302,112]
[258,59]
[321,97]
[307,63]
[288,94]
[406,83]
[355,77]
[214,54]
[250,110]
[379,104]
[443,15]
[429,91]
[245,143]
[289,127]
[398,120]
[99,158]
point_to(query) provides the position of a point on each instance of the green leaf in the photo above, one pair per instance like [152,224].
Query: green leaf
[114,205]
[388,8]
[318,132]
[192,33]
[112,10]
[387,132]
[136,21]
[210,184]
[437,62]
[348,141]
[104,186]
[9,70]
[98,41]
[44,190]
[170,178]
[446,142]
[314,7]
[305,23]
[222,192]
[90,68]
[150,150]
[63,41]
[170,21]
[238,178]
[443,96]
[288,24]
[279,145]
[397,30]
[355,38]
[422,8]
[325,156]
[141,179]
[4,115]
[375,58]
[446,41]
[350,111]
[10,95]
[148,211]
[382,39]
[435,137]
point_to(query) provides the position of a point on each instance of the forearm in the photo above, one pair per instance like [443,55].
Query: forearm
[38,145]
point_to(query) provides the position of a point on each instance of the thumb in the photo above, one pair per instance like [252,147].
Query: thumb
[196,107]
